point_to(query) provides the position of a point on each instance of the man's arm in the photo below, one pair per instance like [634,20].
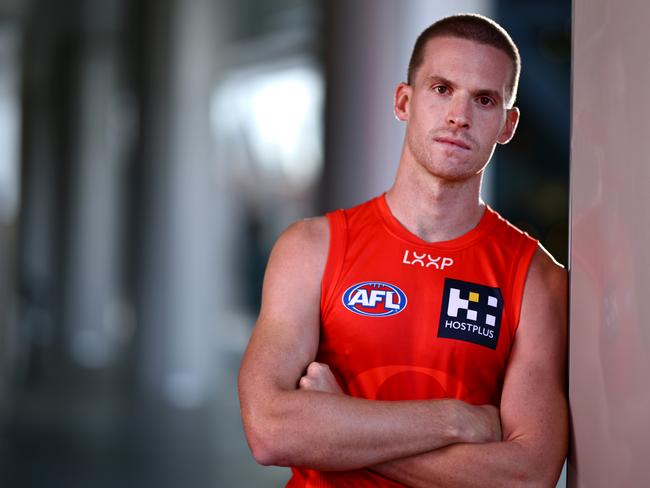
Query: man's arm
[288,426]
[533,406]
[534,415]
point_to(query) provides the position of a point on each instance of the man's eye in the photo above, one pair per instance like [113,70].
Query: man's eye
[441,89]
[485,101]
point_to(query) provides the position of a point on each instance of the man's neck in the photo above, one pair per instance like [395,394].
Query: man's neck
[436,210]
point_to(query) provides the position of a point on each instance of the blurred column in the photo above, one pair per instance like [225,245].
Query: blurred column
[10,119]
[97,316]
[369,45]
[185,219]
[45,77]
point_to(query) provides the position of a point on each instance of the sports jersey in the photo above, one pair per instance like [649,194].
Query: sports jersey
[404,319]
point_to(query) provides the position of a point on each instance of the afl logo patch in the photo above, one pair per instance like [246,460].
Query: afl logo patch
[374,299]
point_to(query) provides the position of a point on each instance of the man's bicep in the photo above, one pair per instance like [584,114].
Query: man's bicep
[533,404]
[285,338]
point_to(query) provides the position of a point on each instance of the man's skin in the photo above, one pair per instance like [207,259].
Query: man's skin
[294,412]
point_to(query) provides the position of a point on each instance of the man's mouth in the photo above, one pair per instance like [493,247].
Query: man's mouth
[453,142]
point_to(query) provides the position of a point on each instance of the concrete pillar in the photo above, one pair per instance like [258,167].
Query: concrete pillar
[97,316]
[184,223]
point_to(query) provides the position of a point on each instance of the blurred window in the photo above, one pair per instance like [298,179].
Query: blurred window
[9,122]
[267,122]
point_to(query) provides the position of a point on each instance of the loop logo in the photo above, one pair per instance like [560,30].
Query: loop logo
[374,299]
[471,313]
[415,259]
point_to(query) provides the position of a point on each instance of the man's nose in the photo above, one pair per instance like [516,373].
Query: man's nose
[459,115]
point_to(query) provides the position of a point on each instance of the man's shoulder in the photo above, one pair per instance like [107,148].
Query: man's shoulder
[546,275]
[316,231]
[310,230]
[545,264]
[305,237]
[298,258]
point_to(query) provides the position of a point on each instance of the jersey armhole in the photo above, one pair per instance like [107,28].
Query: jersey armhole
[335,256]
[519,274]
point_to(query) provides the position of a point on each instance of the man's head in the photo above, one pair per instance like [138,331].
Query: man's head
[458,105]
[472,27]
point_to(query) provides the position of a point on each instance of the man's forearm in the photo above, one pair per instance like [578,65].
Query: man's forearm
[495,464]
[335,432]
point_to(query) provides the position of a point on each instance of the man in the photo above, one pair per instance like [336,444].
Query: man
[417,339]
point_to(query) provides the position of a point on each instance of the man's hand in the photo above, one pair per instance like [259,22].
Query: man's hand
[319,377]
[483,420]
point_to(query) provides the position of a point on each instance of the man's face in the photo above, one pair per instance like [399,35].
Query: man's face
[456,109]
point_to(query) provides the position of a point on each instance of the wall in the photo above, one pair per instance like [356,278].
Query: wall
[610,272]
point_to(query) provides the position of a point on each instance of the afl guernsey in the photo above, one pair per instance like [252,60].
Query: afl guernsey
[404,319]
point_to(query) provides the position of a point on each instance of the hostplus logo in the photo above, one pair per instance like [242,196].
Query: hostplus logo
[471,312]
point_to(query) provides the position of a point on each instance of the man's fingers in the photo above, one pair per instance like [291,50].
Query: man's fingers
[315,369]
[315,375]
[319,377]
[305,383]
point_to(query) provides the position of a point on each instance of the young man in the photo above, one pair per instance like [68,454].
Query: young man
[417,339]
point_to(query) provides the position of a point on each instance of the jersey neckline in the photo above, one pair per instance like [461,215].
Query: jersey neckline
[396,228]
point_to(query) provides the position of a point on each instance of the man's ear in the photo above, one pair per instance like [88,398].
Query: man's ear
[509,128]
[401,101]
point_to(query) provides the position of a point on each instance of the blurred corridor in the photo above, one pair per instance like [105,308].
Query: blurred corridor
[152,151]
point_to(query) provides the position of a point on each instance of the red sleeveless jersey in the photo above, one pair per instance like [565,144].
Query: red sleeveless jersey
[404,319]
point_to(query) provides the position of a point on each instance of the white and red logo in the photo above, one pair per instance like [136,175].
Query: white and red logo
[374,299]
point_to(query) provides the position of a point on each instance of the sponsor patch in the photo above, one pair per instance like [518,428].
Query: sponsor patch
[471,312]
[374,299]
[425,260]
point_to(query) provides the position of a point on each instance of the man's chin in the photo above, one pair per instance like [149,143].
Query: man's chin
[454,172]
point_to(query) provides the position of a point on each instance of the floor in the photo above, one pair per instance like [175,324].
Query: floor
[73,431]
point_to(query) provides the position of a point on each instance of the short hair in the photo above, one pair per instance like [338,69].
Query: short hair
[473,27]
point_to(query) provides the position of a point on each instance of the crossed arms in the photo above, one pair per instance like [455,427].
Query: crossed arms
[295,416]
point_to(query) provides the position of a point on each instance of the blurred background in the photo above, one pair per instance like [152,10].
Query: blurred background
[150,154]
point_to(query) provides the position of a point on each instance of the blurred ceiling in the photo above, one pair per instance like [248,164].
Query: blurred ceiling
[12,8]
